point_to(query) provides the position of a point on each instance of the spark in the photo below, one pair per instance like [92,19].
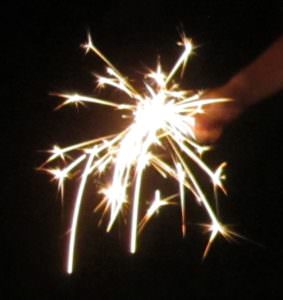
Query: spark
[160,136]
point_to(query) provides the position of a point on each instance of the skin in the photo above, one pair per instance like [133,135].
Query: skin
[259,80]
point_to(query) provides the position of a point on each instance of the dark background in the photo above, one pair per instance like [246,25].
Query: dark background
[45,57]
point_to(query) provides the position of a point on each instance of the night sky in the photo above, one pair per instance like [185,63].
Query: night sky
[46,57]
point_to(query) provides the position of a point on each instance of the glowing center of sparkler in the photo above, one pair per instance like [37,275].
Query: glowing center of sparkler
[152,114]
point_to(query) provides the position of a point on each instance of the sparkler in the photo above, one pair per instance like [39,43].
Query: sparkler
[163,117]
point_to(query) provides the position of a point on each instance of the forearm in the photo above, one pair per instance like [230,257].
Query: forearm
[262,78]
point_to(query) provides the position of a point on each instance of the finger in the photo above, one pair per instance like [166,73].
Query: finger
[207,135]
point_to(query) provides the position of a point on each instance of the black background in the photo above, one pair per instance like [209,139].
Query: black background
[45,57]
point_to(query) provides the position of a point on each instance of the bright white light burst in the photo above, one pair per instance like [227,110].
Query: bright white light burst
[161,136]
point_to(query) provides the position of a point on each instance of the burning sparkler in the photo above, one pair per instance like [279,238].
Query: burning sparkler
[162,122]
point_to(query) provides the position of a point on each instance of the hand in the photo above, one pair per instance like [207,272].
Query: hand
[210,124]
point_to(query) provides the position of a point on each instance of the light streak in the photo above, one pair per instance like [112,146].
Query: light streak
[160,136]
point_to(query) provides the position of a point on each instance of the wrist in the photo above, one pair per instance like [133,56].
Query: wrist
[241,89]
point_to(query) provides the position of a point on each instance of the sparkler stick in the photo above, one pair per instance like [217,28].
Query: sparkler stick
[163,116]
